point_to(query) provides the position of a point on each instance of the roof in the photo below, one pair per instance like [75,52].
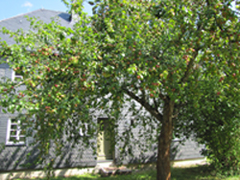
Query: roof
[21,22]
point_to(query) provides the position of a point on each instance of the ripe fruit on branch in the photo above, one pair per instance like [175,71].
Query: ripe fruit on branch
[74,59]
[155,84]
[221,79]
[233,64]
[186,57]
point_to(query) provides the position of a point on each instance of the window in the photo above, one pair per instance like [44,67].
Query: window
[16,75]
[83,130]
[15,136]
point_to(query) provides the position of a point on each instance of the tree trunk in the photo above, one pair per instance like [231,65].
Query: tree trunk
[164,143]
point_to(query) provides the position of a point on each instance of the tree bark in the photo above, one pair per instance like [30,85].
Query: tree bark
[164,143]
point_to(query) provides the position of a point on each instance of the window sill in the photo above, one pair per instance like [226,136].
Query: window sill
[15,144]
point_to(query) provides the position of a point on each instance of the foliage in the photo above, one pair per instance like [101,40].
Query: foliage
[51,97]
[150,57]
[216,125]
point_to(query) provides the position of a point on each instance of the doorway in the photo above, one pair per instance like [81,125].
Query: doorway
[105,140]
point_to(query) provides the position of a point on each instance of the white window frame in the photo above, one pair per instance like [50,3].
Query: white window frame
[18,134]
[81,133]
[16,76]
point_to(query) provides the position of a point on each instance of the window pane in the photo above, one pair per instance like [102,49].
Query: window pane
[22,139]
[13,132]
[13,126]
[14,121]
[22,132]
[13,139]
[18,78]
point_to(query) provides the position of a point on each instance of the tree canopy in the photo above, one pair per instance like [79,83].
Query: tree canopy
[161,55]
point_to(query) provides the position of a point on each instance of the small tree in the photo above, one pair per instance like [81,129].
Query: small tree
[155,53]
[216,125]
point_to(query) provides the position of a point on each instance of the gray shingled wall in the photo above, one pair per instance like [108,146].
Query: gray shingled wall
[4,72]
[14,156]
[180,149]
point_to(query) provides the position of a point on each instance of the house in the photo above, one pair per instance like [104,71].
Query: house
[14,155]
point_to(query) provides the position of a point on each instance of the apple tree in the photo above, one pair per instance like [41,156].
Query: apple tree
[163,53]
[158,54]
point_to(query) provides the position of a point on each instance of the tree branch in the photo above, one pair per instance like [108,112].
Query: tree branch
[189,67]
[146,105]
[175,115]
[164,98]
[155,103]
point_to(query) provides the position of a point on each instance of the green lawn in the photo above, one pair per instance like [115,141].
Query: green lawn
[186,173]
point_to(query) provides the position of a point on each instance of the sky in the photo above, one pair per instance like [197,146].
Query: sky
[11,8]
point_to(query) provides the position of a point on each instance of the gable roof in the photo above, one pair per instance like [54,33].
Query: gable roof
[21,22]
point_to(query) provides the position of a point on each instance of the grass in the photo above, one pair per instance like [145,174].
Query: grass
[181,173]
[203,172]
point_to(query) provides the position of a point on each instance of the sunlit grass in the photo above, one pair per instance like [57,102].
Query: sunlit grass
[180,173]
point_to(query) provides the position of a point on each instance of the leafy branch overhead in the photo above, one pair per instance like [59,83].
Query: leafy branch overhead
[156,55]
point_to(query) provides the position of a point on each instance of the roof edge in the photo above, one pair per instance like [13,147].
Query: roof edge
[25,14]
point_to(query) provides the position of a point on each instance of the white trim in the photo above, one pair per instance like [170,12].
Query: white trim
[14,76]
[18,135]
[81,133]
[177,139]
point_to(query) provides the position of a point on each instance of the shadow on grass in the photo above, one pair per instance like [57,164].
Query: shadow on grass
[143,175]
[82,177]
[193,173]
[182,173]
